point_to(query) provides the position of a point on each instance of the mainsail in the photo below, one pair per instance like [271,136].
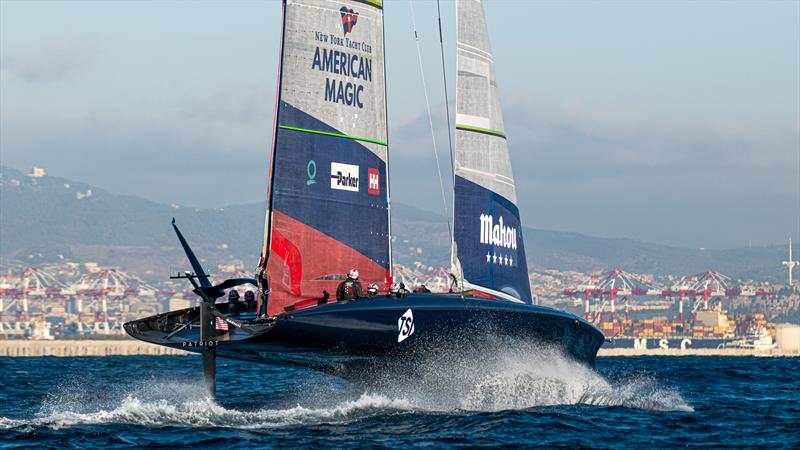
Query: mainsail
[488,251]
[328,207]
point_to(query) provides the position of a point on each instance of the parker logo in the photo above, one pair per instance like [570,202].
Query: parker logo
[344,177]
[374,181]
[349,19]
[497,234]
[405,326]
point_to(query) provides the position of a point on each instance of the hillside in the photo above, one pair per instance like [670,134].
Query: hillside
[49,218]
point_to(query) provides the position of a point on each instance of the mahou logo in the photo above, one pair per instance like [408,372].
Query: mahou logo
[497,234]
[349,19]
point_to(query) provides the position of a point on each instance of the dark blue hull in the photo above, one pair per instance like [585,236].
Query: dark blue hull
[346,338]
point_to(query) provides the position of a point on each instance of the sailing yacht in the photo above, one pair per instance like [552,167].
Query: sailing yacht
[328,210]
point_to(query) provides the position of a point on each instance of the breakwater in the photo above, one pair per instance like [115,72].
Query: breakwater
[694,352]
[126,347]
[68,348]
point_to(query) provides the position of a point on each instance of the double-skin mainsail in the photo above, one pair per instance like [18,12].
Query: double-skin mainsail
[328,207]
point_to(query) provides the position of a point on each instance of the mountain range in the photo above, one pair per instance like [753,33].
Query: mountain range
[45,219]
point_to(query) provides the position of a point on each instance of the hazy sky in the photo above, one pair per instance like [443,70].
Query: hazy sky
[674,122]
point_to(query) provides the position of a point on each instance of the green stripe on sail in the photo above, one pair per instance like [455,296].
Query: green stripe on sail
[375,3]
[480,130]
[328,133]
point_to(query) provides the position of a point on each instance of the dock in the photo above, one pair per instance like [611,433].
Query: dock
[130,347]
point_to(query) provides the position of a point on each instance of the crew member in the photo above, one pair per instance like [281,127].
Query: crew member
[233,300]
[398,290]
[250,300]
[422,289]
[349,289]
[372,290]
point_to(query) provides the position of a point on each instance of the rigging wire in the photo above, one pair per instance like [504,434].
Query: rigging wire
[446,97]
[449,141]
[430,120]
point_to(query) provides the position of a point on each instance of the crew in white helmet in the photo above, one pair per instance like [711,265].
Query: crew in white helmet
[349,289]
[372,290]
[397,289]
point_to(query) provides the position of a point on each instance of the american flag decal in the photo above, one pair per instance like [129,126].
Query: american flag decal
[221,324]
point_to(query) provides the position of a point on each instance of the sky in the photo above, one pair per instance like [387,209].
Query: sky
[670,122]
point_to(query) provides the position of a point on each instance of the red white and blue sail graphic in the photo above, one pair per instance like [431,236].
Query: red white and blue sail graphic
[488,249]
[328,206]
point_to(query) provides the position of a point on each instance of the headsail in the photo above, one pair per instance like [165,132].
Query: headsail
[328,206]
[488,251]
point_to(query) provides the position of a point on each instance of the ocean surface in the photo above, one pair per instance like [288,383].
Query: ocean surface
[626,402]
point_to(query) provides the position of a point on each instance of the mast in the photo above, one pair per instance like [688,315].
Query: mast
[262,262]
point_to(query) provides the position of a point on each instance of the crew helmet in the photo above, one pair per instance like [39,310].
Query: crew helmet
[372,288]
[394,288]
[353,274]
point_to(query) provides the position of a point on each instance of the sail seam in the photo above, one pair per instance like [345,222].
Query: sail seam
[488,131]
[495,176]
[328,133]
[475,51]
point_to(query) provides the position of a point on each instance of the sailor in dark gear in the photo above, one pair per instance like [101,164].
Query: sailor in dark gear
[233,300]
[250,300]
[349,289]
[422,289]
[263,290]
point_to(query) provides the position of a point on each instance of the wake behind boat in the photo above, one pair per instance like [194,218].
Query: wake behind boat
[329,211]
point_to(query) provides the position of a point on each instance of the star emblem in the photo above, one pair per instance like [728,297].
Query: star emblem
[511,261]
[494,258]
[506,260]
[488,256]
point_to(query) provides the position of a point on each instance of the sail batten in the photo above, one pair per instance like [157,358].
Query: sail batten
[488,251]
[329,205]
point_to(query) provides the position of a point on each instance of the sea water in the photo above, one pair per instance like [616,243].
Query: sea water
[503,400]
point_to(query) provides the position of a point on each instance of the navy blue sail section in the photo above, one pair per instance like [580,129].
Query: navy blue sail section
[329,213]
[491,250]
[308,188]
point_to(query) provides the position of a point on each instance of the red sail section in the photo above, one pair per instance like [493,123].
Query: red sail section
[304,262]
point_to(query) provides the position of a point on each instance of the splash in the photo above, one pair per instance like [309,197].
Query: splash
[187,405]
[496,379]
[520,377]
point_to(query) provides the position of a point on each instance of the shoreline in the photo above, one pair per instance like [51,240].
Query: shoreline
[84,347]
[130,347]
[604,352]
